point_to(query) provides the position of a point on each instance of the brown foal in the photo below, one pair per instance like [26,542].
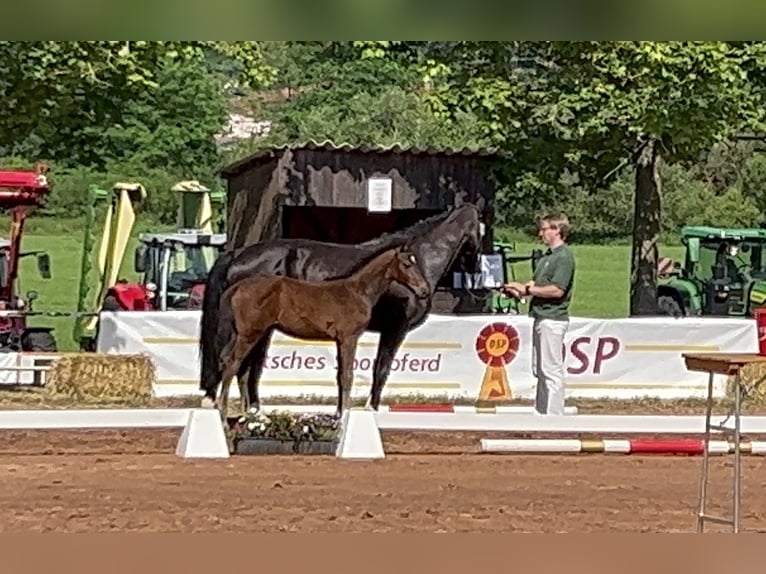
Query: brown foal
[334,310]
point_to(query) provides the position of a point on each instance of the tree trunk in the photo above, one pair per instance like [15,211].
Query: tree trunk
[646,232]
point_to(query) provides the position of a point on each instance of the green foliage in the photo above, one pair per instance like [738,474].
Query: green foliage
[391,115]
[361,92]
[81,103]
[171,126]
[570,113]
[585,105]
[68,198]
[501,85]
[287,426]
[692,202]
[103,112]
[686,95]
[607,214]
[752,179]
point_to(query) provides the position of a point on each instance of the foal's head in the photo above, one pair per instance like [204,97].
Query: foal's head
[404,269]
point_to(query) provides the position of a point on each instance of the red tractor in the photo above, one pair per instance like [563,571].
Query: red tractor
[21,192]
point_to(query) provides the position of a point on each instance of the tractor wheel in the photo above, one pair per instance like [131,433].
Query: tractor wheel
[667,305]
[38,341]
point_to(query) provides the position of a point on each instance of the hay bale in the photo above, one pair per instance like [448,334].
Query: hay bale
[752,384]
[103,377]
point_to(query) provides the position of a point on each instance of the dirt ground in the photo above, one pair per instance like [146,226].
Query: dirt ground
[132,481]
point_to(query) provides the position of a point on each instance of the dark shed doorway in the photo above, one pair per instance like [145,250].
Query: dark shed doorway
[346,224]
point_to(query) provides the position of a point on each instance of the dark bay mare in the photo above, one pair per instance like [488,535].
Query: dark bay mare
[337,310]
[436,242]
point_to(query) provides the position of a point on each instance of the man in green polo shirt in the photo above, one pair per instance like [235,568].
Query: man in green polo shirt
[551,292]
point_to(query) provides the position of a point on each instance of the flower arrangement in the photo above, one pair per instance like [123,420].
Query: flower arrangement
[287,426]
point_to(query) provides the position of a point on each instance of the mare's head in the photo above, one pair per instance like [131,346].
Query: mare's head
[438,241]
[470,250]
[404,268]
[455,239]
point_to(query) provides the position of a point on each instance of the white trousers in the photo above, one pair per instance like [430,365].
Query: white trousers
[548,364]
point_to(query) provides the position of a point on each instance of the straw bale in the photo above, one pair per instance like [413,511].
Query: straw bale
[101,376]
[752,384]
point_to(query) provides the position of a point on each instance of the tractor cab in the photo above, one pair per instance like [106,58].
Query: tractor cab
[14,332]
[22,192]
[723,274]
[6,265]
[175,266]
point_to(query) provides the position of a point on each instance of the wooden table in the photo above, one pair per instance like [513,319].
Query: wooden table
[729,364]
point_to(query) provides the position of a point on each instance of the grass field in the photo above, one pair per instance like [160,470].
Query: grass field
[602,278]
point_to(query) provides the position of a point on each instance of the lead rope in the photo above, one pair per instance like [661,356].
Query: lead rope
[476,297]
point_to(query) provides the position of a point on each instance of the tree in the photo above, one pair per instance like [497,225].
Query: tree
[359,93]
[663,99]
[617,103]
[53,90]
[171,126]
[507,87]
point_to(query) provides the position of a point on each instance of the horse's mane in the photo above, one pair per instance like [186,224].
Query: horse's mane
[409,232]
[381,243]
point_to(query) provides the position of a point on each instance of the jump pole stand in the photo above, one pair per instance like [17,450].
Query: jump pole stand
[359,436]
[203,436]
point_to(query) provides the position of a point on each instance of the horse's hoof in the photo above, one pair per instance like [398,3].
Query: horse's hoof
[207,403]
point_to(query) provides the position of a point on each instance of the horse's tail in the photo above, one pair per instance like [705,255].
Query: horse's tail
[210,374]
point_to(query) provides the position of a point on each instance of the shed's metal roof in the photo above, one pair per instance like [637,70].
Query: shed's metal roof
[243,164]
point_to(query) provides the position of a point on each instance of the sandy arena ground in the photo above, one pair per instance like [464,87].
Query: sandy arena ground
[132,481]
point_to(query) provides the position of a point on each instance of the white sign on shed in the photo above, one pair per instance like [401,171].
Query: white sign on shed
[379,194]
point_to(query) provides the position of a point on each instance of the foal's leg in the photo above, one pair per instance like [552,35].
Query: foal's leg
[240,347]
[388,344]
[224,401]
[243,398]
[345,376]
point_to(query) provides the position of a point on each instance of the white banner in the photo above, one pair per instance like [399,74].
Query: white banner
[614,358]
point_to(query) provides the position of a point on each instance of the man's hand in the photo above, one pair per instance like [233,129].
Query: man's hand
[514,289]
[512,292]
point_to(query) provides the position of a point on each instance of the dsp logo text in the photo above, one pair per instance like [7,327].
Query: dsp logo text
[589,354]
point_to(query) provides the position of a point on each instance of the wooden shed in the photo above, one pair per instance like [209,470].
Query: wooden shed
[351,194]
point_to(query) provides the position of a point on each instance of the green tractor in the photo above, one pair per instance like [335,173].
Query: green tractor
[723,275]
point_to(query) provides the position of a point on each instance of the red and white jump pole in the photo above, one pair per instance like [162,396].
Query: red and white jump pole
[675,446]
